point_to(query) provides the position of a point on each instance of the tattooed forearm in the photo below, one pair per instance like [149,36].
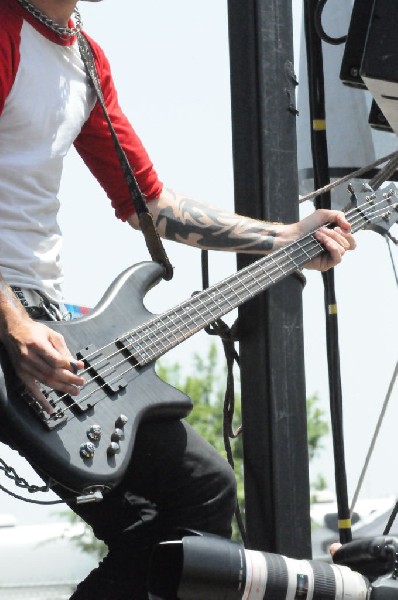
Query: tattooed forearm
[193,223]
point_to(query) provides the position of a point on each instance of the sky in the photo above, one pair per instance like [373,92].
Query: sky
[170,64]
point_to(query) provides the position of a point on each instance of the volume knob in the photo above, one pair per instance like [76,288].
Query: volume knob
[94,433]
[121,421]
[117,435]
[87,450]
[113,448]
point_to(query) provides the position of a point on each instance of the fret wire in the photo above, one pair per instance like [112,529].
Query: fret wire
[301,248]
[197,313]
[150,333]
[211,316]
[235,292]
[278,265]
[210,296]
[186,320]
[249,293]
[294,262]
[153,332]
[170,330]
[240,282]
[255,279]
[228,289]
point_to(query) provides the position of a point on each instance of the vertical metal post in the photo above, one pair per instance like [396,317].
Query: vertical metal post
[272,357]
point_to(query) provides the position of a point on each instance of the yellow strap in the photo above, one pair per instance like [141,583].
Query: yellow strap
[319,125]
[344,523]
[332,309]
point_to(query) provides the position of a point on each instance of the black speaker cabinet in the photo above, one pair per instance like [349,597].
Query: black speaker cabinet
[355,44]
[379,69]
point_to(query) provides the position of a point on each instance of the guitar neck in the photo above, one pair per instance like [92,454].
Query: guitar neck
[166,331]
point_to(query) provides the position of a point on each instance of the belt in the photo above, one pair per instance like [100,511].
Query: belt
[38,306]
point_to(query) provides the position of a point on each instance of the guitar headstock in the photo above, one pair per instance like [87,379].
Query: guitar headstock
[378,211]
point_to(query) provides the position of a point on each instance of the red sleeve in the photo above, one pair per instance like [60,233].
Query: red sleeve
[9,51]
[96,147]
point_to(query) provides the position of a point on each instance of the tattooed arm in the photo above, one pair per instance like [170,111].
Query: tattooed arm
[37,352]
[184,220]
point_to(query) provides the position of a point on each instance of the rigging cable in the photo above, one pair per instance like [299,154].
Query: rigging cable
[374,439]
[321,178]
[228,337]
[319,27]
[380,420]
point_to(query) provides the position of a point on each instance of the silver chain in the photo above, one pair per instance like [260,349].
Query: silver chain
[64,32]
[19,481]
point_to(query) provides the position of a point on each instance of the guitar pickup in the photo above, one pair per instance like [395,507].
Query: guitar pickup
[106,367]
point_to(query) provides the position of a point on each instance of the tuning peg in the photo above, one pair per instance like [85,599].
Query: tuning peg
[388,195]
[366,188]
[392,238]
[353,198]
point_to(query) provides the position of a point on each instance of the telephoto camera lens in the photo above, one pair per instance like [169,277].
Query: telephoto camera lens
[212,568]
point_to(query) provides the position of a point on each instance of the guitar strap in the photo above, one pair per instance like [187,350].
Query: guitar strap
[151,235]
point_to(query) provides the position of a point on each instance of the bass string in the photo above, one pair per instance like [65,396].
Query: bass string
[309,241]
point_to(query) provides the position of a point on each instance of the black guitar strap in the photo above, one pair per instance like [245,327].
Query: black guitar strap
[152,238]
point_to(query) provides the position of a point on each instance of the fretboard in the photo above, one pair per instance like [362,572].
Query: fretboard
[166,331]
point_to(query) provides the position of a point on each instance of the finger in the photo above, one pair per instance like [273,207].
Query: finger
[348,237]
[57,355]
[338,236]
[335,250]
[64,387]
[33,388]
[334,547]
[75,365]
[341,221]
[51,376]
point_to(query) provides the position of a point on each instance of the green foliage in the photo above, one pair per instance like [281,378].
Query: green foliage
[317,427]
[84,538]
[206,388]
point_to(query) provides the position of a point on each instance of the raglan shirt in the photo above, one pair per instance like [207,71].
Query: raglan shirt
[45,107]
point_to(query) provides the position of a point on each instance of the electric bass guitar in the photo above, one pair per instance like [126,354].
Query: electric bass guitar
[87,442]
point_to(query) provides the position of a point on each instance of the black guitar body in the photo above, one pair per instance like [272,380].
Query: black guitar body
[117,388]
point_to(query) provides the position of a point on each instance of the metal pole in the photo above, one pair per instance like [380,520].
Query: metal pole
[272,357]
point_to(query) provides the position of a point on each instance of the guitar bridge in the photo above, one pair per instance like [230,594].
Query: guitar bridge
[59,402]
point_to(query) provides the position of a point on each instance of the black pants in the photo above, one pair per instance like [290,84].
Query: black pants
[176,480]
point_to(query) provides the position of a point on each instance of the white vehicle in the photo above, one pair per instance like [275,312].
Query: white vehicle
[40,562]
